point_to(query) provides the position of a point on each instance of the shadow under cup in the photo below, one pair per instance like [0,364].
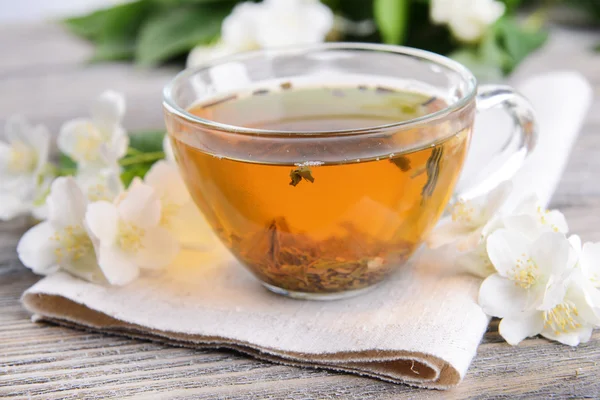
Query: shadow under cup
[322,168]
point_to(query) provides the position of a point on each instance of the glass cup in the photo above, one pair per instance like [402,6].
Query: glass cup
[324,214]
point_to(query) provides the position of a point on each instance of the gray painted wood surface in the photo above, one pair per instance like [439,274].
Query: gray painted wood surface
[43,76]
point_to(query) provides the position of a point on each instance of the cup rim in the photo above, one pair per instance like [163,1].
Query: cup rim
[466,75]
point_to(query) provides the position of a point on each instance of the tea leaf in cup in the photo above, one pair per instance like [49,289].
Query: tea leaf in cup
[401,162]
[303,172]
[433,168]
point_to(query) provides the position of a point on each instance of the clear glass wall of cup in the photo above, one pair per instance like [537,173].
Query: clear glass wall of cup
[328,213]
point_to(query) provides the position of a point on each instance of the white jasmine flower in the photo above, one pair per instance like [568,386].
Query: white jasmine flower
[103,183]
[127,234]
[270,23]
[81,139]
[23,168]
[62,241]
[179,214]
[290,22]
[467,19]
[526,271]
[531,219]
[470,220]
[531,279]
[570,321]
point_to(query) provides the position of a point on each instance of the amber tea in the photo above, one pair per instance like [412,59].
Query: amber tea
[316,220]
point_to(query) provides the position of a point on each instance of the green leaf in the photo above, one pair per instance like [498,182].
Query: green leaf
[109,21]
[175,3]
[177,30]
[133,171]
[482,69]
[491,52]
[139,143]
[114,50]
[147,141]
[391,17]
[114,30]
[597,48]
[66,165]
[518,41]
[511,5]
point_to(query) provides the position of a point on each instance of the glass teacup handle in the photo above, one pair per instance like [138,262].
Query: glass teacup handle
[520,144]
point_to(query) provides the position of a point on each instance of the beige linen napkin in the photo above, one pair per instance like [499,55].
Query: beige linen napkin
[421,327]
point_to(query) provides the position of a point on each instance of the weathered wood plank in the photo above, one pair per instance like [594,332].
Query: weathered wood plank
[42,75]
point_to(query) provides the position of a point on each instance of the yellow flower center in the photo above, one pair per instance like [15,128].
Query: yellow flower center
[130,236]
[543,216]
[22,158]
[561,319]
[169,210]
[98,192]
[74,243]
[88,143]
[524,273]
[462,212]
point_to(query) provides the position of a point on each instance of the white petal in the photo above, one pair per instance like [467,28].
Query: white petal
[496,199]
[581,335]
[465,29]
[476,262]
[40,212]
[140,205]
[36,249]
[528,206]
[493,225]
[118,268]
[586,298]
[102,221]
[164,177]
[86,267]
[515,329]
[103,184]
[108,109]
[500,297]
[552,252]
[66,202]
[12,206]
[556,220]
[505,247]
[17,129]
[575,242]
[590,262]
[41,145]
[448,232]
[527,225]
[554,293]
[159,249]
[5,150]
[238,29]
[119,142]
[80,140]
[282,23]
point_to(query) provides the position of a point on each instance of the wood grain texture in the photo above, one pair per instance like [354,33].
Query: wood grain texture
[43,75]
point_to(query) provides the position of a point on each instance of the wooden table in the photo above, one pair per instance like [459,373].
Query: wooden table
[43,75]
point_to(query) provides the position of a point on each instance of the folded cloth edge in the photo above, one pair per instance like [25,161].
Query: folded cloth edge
[415,369]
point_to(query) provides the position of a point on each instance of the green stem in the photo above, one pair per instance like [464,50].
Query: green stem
[131,151]
[141,158]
